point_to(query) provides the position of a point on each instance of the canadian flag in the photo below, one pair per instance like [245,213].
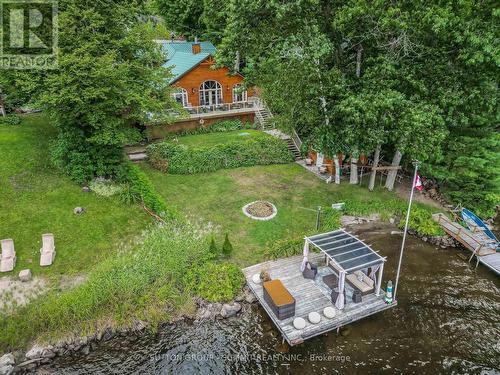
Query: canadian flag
[418,183]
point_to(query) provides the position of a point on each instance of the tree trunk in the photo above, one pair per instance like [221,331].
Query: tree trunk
[391,176]
[237,62]
[358,60]
[354,168]
[2,105]
[373,174]
[337,169]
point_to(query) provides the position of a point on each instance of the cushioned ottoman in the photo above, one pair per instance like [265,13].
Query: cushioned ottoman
[279,299]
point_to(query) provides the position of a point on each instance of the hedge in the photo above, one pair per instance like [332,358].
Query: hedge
[10,120]
[179,159]
[139,188]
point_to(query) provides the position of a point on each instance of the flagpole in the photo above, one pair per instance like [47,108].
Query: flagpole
[406,229]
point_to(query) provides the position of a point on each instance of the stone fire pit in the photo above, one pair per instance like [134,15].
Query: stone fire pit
[260,210]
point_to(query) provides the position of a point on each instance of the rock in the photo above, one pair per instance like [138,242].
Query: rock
[249,297]
[209,312]
[25,275]
[86,189]
[229,310]
[240,297]
[394,232]
[86,350]
[40,352]
[78,210]
[139,326]
[392,220]
[107,335]
[7,363]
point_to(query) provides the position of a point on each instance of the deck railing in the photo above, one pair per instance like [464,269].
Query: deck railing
[223,107]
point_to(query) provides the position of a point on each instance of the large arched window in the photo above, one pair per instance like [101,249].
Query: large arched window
[239,94]
[181,96]
[210,93]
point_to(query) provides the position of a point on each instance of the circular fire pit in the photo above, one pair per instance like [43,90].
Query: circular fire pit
[260,210]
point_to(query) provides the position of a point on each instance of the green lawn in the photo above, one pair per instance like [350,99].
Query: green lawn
[36,199]
[219,197]
[213,139]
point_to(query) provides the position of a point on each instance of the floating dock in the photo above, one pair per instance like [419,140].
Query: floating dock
[471,241]
[310,296]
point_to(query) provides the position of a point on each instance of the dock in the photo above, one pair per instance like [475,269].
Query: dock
[486,255]
[311,296]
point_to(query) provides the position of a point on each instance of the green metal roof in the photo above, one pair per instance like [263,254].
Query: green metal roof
[181,57]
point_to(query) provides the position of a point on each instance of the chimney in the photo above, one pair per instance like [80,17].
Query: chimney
[196,46]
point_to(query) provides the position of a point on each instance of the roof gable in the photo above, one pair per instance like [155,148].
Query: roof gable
[181,58]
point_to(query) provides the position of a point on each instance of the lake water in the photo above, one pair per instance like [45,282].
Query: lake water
[446,321]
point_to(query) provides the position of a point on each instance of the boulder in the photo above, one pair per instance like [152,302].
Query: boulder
[25,275]
[40,352]
[7,363]
[78,210]
[229,310]
[86,189]
[249,297]
[210,311]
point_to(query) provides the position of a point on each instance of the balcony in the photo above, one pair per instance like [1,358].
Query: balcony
[249,106]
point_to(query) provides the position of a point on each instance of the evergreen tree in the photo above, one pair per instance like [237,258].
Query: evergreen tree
[213,249]
[227,248]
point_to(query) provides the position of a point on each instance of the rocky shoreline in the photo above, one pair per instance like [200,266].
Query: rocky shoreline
[19,362]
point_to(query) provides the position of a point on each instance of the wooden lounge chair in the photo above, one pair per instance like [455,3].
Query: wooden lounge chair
[8,259]
[48,250]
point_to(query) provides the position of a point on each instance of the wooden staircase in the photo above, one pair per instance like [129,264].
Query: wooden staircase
[293,148]
[136,154]
[263,115]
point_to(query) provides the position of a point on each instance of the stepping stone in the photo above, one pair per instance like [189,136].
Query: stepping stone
[25,275]
[299,323]
[314,317]
[329,312]
[256,279]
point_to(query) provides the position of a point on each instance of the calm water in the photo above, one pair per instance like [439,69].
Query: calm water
[447,321]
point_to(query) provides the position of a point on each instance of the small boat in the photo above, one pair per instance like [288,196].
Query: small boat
[477,226]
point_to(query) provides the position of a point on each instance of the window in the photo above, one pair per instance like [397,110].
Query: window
[210,93]
[181,96]
[239,94]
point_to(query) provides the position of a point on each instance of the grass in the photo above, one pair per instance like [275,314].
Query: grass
[36,199]
[219,197]
[213,139]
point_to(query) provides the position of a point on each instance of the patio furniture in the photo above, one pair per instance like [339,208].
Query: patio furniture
[331,281]
[279,299]
[48,250]
[256,279]
[310,271]
[359,281]
[335,294]
[299,323]
[314,317]
[8,257]
[356,296]
[329,312]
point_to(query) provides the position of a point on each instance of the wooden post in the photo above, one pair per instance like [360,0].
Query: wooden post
[379,279]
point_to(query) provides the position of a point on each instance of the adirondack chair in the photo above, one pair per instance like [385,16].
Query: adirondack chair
[48,250]
[8,259]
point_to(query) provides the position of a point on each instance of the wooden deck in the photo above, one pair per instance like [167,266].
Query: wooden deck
[310,296]
[471,241]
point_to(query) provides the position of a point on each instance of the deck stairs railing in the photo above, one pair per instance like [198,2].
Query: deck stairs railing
[263,114]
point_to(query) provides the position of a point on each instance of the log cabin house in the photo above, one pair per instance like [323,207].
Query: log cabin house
[208,93]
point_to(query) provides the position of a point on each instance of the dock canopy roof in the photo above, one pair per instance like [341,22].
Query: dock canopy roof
[346,251]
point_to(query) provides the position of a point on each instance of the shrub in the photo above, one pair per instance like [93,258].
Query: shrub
[218,127]
[139,188]
[245,153]
[215,282]
[421,221]
[227,248]
[10,120]
[213,249]
[104,187]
